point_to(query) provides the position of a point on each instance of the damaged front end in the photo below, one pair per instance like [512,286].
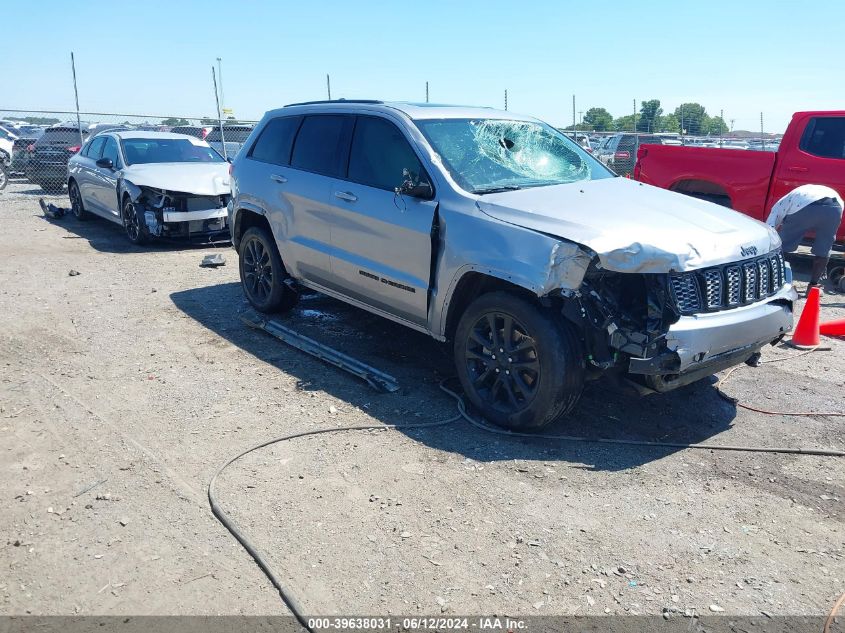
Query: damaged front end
[185,216]
[640,325]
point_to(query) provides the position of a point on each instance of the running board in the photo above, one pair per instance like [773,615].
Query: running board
[379,380]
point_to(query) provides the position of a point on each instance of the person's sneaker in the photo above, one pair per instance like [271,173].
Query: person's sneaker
[819,286]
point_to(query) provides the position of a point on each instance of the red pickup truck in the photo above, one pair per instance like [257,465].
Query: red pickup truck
[812,151]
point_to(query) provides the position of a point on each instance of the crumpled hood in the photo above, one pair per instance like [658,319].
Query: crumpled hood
[202,179]
[634,227]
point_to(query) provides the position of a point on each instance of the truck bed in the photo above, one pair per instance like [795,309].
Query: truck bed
[743,176]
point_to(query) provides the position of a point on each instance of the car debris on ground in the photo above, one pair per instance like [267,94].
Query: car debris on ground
[213,261]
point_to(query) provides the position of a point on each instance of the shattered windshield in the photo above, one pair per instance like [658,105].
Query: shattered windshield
[491,155]
[167,150]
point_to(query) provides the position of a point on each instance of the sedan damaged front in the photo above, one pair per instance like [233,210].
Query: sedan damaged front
[156,184]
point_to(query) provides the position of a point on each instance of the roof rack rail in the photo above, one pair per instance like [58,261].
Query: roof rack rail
[334,101]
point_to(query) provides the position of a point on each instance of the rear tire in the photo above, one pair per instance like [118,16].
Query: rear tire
[4,177]
[76,206]
[522,367]
[263,273]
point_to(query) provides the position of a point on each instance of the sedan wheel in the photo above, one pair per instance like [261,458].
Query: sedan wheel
[76,205]
[136,230]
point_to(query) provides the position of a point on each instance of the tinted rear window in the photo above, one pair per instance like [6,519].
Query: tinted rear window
[231,134]
[276,140]
[190,131]
[322,144]
[651,140]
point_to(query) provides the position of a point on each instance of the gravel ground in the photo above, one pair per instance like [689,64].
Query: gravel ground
[124,387]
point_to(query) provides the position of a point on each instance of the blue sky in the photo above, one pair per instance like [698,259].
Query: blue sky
[155,57]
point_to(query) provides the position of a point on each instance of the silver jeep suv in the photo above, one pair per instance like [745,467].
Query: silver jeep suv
[496,232]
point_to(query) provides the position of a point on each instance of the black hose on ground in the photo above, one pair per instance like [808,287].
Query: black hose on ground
[292,603]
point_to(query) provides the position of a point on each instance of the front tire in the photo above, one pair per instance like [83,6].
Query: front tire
[520,366]
[4,177]
[263,274]
[76,206]
[136,227]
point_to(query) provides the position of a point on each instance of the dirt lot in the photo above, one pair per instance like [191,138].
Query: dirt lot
[124,387]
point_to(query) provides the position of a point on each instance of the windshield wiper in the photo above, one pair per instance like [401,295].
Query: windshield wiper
[497,189]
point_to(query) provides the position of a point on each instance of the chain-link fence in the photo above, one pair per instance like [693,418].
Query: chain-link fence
[39,143]
[36,145]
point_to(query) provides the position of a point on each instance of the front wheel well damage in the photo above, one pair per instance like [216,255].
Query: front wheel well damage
[471,286]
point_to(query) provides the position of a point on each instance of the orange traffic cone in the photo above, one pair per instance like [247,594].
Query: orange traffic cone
[833,328]
[806,333]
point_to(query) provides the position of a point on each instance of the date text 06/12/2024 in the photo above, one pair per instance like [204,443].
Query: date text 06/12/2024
[481,623]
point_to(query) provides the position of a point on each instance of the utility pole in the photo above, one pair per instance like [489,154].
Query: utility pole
[219,115]
[581,118]
[506,98]
[762,133]
[220,81]
[721,122]
[426,92]
[574,136]
[329,86]
[76,96]
[635,116]
[732,124]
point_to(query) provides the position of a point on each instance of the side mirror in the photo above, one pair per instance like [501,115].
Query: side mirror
[105,163]
[422,189]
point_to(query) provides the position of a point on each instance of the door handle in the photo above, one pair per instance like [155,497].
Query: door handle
[345,195]
[798,169]
[277,178]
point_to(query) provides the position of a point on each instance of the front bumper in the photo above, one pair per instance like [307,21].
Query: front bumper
[207,226]
[699,345]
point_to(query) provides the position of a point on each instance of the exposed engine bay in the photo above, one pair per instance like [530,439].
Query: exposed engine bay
[183,215]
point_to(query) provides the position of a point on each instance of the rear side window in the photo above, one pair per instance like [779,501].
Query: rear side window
[276,140]
[95,149]
[825,137]
[381,154]
[322,144]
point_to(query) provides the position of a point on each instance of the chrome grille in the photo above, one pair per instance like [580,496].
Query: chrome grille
[763,278]
[712,288]
[730,285]
[749,282]
[734,277]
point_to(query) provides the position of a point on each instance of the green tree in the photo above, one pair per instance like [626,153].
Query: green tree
[650,112]
[714,126]
[668,123]
[624,123]
[173,122]
[692,117]
[40,120]
[598,119]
